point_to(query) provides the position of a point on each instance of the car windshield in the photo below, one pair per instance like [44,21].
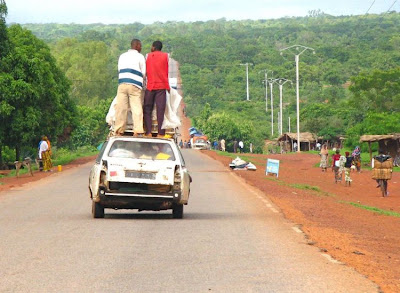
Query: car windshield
[141,150]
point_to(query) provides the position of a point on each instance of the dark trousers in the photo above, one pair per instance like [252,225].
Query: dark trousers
[157,97]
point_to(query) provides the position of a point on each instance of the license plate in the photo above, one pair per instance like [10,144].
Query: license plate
[140,175]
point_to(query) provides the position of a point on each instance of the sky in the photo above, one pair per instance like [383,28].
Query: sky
[150,11]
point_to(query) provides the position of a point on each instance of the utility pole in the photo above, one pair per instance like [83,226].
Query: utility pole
[279,123]
[282,81]
[271,85]
[247,79]
[266,86]
[300,49]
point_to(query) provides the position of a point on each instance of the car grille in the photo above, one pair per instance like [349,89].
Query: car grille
[140,175]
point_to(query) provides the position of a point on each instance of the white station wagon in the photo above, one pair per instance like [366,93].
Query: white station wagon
[139,173]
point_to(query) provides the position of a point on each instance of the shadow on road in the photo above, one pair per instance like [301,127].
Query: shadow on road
[186,217]
[138,216]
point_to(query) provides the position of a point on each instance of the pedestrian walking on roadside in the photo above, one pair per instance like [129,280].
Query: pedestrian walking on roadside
[251,148]
[318,146]
[241,146]
[336,165]
[235,146]
[44,154]
[223,145]
[215,145]
[324,158]
[347,169]
[357,158]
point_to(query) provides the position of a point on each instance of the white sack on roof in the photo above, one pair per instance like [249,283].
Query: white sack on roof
[171,119]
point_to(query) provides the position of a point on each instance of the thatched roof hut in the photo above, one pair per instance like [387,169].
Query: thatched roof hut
[390,143]
[307,141]
[270,146]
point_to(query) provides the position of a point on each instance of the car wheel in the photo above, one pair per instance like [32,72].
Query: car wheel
[97,210]
[177,211]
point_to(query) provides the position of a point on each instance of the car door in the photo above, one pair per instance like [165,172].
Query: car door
[94,176]
[186,179]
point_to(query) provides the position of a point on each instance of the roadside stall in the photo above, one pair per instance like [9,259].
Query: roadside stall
[287,141]
[390,143]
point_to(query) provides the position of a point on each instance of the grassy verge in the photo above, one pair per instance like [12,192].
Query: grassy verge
[62,157]
[304,187]
[233,156]
[317,190]
[374,209]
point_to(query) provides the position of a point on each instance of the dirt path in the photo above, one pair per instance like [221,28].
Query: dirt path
[329,215]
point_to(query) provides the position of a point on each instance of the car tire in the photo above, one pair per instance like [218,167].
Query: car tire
[177,211]
[97,210]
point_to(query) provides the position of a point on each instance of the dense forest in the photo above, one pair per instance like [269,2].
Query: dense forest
[350,86]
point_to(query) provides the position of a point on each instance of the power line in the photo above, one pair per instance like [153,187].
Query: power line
[370,7]
[391,6]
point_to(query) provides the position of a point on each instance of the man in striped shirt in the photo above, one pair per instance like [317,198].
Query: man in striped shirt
[131,70]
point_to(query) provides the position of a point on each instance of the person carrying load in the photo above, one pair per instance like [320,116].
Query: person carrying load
[382,165]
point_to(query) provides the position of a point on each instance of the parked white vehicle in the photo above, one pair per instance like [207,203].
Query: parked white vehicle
[139,173]
[201,144]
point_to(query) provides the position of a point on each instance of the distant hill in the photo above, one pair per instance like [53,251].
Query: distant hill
[211,53]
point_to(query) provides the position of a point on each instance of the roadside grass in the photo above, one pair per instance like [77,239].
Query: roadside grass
[305,187]
[60,157]
[271,178]
[373,209]
[64,156]
[234,155]
[317,190]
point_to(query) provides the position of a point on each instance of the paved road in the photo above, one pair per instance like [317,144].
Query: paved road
[231,240]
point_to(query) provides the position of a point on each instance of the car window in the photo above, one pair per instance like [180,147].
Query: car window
[100,155]
[141,150]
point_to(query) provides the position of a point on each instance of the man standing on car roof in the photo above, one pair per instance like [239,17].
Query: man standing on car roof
[131,70]
[157,85]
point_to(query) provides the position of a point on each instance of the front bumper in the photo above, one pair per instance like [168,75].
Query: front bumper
[153,202]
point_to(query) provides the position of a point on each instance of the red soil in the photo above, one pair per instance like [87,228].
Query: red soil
[362,239]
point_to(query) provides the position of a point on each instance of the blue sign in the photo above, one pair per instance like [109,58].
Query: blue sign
[272,167]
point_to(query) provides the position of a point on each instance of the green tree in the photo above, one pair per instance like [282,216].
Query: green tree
[375,124]
[92,128]
[34,94]
[378,91]
[4,44]
[90,67]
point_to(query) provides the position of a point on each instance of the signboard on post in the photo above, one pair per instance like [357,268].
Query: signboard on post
[272,167]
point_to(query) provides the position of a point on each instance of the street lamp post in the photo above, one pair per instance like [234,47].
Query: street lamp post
[266,86]
[271,85]
[300,49]
[282,81]
[247,79]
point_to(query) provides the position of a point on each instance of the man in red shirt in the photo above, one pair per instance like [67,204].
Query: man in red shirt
[157,85]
